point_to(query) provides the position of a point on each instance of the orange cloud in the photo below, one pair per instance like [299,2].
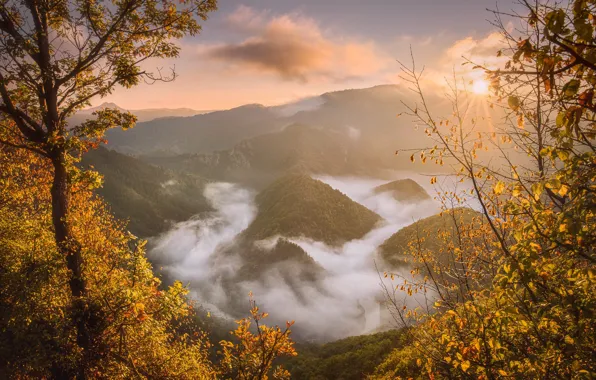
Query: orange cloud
[295,48]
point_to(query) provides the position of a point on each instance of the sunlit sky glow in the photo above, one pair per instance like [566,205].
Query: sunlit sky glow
[276,51]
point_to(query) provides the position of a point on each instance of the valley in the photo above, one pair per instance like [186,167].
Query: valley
[295,214]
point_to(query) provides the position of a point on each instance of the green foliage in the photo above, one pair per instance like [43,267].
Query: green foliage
[148,196]
[404,190]
[298,205]
[347,359]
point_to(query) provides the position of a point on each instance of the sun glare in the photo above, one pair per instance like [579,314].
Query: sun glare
[480,87]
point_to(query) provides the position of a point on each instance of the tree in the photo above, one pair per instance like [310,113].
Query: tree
[135,321]
[520,300]
[55,57]
[251,356]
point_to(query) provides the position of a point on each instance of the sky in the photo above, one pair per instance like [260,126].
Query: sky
[277,51]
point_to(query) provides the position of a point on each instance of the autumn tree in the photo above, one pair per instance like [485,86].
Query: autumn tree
[55,57]
[251,355]
[134,319]
[514,298]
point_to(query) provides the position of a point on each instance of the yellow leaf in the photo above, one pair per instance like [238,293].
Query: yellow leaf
[499,187]
[563,190]
[465,365]
[563,228]
[563,155]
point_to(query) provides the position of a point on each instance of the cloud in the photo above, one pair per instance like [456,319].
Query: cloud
[482,51]
[295,48]
[478,50]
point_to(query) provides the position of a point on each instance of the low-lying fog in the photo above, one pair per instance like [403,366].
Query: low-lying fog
[346,301]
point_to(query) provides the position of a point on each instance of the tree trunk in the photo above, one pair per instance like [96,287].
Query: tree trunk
[71,249]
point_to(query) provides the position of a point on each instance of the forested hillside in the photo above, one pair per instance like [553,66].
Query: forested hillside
[212,131]
[150,197]
[352,358]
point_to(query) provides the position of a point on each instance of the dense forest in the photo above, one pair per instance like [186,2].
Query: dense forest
[500,284]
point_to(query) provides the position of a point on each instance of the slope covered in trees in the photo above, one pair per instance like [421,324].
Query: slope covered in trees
[141,114]
[146,195]
[351,358]
[297,205]
[365,116]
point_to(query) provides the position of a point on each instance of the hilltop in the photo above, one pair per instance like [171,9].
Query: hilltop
[404,190]
[142,115]
[297,205]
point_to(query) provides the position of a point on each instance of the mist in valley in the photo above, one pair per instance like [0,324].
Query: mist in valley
[347,299]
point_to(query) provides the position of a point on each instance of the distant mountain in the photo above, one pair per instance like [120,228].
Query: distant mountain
[142,114]
[297,205]
[149,196]
[201,133]
[394,249]
[364,122]
[404,190]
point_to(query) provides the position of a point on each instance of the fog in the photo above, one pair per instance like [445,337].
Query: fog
[345,300]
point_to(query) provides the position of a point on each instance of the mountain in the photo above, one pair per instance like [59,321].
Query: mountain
[149,196]
[394,249]
[297,205]
[363,121]
[369,117]
[259,160]
[200,133]
[142,114]
[404,190]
